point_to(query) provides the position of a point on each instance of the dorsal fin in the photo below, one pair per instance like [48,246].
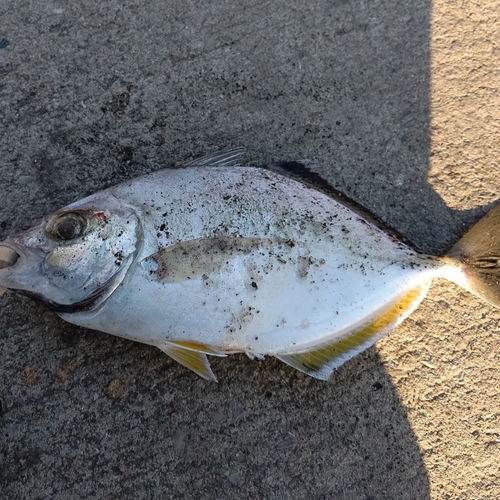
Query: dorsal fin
[227,158]
[300,171]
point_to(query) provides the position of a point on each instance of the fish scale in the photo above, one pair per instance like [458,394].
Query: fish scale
[215,258]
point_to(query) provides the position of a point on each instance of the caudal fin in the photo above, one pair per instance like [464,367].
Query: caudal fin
[478,252]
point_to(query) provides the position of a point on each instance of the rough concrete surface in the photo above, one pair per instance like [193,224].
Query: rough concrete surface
[398,103]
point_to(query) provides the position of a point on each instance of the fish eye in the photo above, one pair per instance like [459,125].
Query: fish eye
[68,227]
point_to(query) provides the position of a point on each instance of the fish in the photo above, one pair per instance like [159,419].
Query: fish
[213,258]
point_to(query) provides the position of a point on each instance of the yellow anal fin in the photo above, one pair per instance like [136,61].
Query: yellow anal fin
[321,362]
[192,359]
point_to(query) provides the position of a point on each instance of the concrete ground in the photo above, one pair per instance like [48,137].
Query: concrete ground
[396,101]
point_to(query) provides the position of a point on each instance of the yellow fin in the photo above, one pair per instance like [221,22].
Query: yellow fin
[192,359]
[322,361]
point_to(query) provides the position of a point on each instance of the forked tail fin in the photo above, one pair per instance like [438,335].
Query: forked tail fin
[478,253]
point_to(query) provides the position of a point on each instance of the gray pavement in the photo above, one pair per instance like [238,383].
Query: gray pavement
[93,93]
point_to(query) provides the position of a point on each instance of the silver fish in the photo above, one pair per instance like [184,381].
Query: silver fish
[214,258]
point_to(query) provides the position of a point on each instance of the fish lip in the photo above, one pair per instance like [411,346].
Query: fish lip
[20,261]
[28,259]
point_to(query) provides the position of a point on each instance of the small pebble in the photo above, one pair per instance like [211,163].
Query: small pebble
[63,374]
[116,388]
[30,375]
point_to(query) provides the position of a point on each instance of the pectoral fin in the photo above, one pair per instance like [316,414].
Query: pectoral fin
[192,259]
[190,357]
[322,361]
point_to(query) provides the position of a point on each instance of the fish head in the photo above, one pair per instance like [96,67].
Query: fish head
[75,257]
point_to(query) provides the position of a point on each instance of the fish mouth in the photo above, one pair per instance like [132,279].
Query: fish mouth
[11,258]
[15,259]
[8,256]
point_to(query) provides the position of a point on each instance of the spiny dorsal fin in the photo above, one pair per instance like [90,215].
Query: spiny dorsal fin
[192,359]
[227,158]
[322,361]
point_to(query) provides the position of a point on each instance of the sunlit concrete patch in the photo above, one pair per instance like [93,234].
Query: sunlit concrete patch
[465,102]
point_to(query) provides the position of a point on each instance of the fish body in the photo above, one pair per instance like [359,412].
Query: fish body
[215,258]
